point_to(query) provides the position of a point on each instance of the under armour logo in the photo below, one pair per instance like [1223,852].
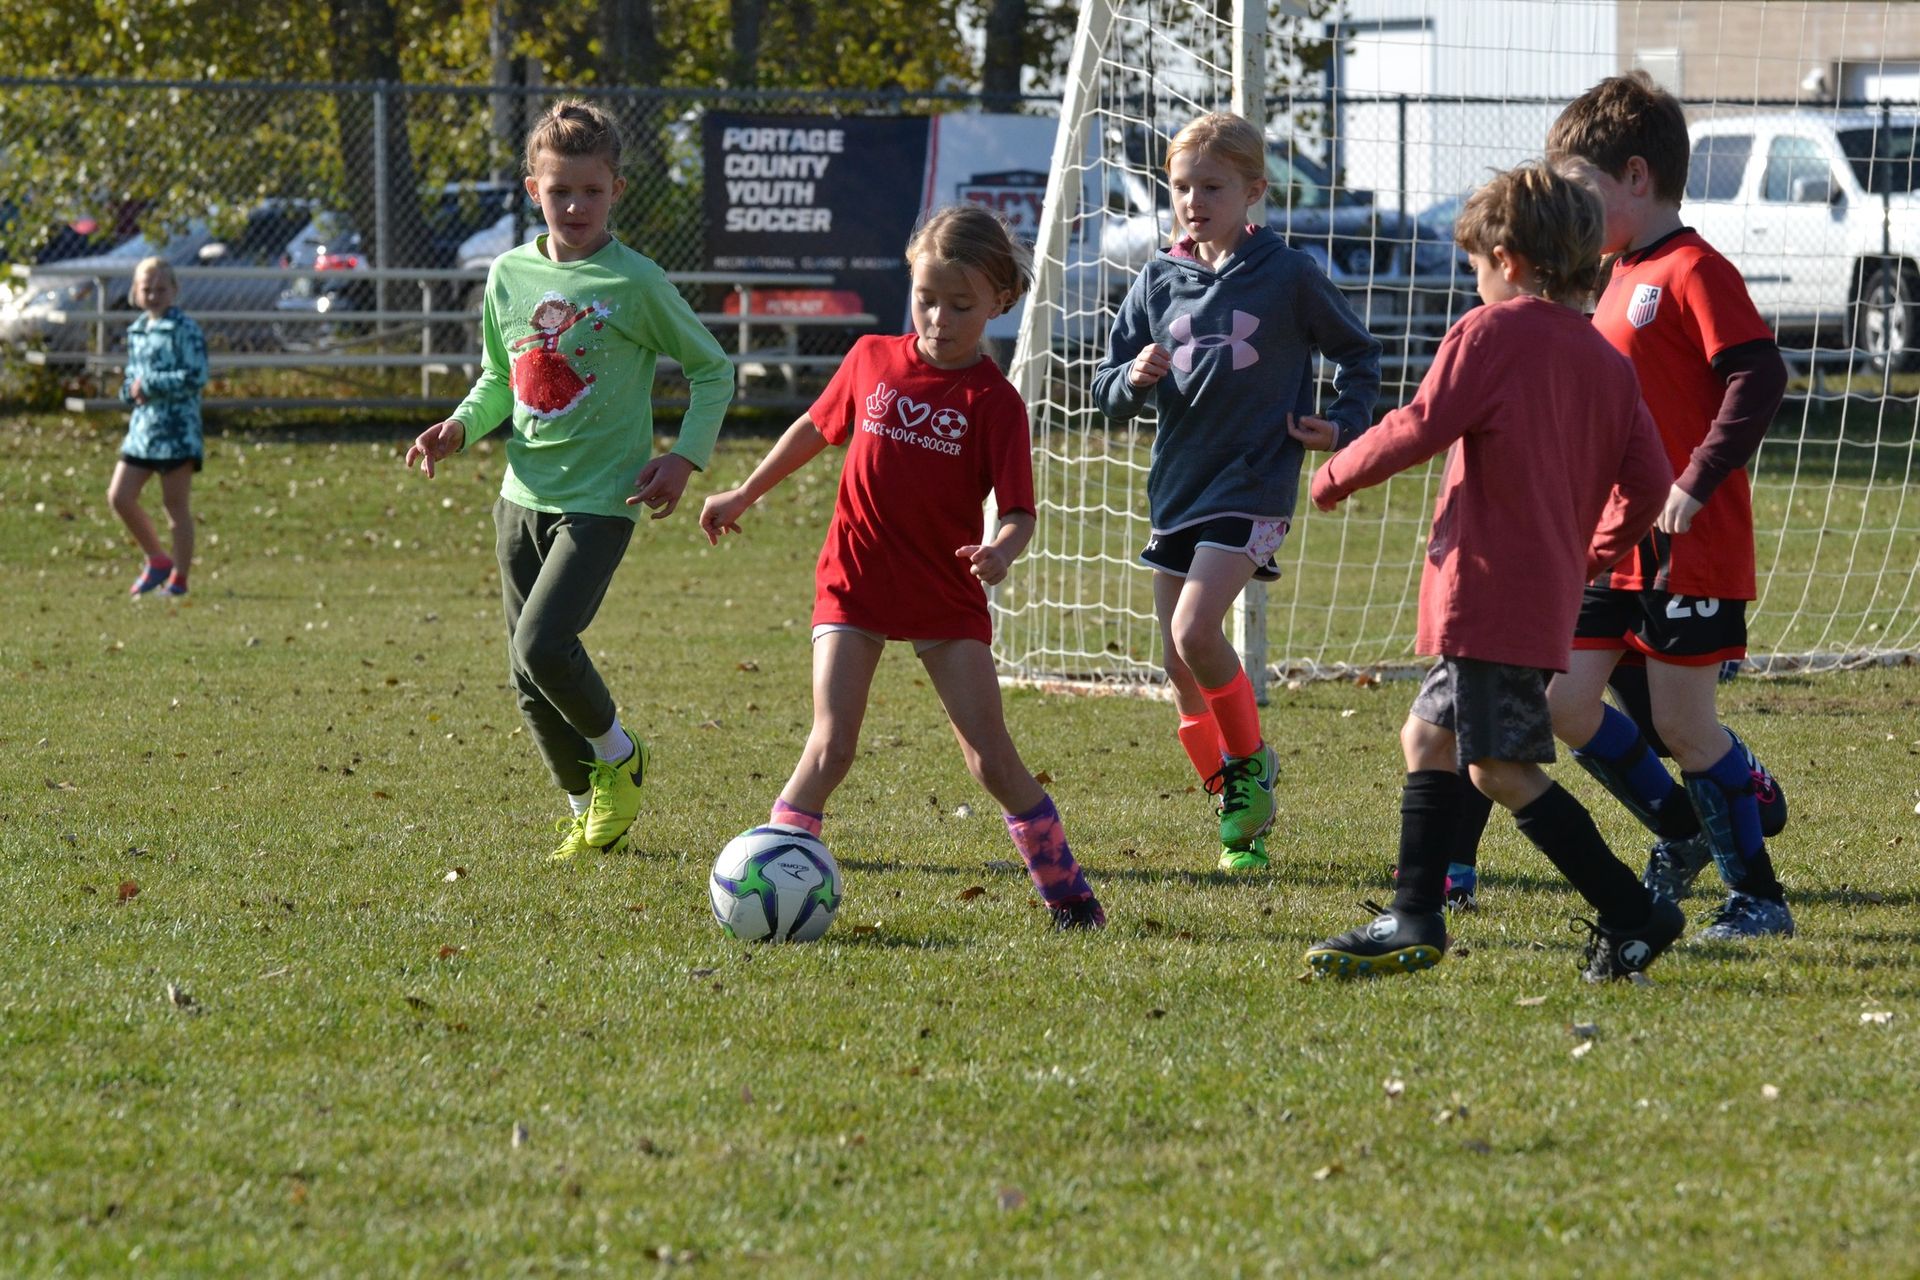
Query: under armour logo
[1243,352]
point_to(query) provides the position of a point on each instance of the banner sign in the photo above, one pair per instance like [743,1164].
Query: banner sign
[837,194]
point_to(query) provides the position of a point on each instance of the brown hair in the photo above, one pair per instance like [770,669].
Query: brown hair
[572,127]
[1227,137]
[1622,117]
[972,235]
[1552,220]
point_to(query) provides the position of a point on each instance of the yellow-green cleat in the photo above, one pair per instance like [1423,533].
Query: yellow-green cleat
[1249,857]
[573,839]
[1245,787]
[616,799]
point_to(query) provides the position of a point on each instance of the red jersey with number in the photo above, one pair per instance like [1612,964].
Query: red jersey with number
[1671,308]
[925,446]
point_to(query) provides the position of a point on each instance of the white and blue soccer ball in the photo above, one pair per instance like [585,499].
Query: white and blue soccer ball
[775,884]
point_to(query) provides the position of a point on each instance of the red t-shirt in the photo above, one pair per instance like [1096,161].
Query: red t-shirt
[1671,309]
[1554,470]
[925,446]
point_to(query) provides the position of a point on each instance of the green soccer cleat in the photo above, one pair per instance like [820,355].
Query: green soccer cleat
[573,839]
[616,799]
[1245,787]
[1250,857]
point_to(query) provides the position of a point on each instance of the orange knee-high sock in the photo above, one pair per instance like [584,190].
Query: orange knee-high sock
[1238,716]
[1200,739]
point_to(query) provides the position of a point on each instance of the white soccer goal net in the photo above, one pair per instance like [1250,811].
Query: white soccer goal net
[1382,115]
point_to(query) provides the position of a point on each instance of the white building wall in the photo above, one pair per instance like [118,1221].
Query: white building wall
[1530,56]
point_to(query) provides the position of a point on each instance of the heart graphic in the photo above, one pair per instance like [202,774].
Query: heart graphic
[912,412]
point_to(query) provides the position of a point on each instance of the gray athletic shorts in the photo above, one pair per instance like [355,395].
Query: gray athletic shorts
[1495,711]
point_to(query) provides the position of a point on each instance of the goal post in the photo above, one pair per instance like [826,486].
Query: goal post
[1381,116]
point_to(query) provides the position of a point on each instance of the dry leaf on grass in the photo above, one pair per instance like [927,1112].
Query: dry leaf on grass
[1531,1002]
[1011,1198]
[1394,1087]
[455,873]
[449,951]
[1326,1171]
[1582,1049]
[971,892]
[519,1134]
[1876,1017]
[1771,1092]
[128,889]
[177,997]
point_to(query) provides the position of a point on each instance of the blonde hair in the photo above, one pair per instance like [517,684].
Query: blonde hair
[1227,137]
[1554,221]
[971,235]
[572,127]
[158,266]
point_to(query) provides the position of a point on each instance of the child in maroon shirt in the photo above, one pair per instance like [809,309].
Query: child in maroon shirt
[1554,471]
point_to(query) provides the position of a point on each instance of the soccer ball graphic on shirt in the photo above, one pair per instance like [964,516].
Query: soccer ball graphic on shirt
[948,424]
[775,883]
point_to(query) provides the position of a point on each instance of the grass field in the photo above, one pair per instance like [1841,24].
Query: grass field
[399,1043]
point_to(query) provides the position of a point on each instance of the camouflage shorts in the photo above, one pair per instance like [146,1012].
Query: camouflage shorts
[1495,711]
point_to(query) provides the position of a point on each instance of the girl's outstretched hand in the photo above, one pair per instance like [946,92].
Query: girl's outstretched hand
[1315,433]
[721,513]
[435,443]
[989,563]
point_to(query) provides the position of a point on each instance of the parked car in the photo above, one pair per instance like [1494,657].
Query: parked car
[1818,211]
[101,280]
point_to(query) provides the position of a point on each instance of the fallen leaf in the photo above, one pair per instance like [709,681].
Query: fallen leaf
[1394,1087]
[519,1134]
[1326,1171]
[1771,1092]
[746,1093]
[448,952]
[1531,1002]
[1583,1030]
[1044,778]
[1349,713]
[179,999]
[963,811]
[1011,1198]
[381,795]
[1876,1017]
[60,786]
[971,892]
[128,889]
[456,873]
[699,973]
[1156,1013]
[748,665]
[1582,1049]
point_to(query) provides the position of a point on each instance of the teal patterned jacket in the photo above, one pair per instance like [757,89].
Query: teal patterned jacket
[169,358]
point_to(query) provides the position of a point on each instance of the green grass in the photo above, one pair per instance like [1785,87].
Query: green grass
[288,769]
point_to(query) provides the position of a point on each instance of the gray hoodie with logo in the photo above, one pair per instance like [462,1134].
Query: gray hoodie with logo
[1243,339]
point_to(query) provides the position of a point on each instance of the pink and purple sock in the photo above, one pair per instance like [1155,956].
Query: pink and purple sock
[787,814]
[1042,841]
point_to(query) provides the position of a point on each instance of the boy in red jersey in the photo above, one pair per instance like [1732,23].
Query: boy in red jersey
[1712,376]
[1554,471]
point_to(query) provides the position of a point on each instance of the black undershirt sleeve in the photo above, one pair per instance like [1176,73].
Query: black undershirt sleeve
[1756,379]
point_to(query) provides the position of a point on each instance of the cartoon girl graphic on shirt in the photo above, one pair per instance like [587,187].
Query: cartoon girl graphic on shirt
[543,381]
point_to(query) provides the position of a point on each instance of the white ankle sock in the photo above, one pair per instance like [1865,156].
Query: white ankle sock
[613,745]
[579,803]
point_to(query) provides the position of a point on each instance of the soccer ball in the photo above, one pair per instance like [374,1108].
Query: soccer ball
[949,424]
[774,884]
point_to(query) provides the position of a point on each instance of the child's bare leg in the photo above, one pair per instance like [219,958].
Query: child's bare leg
[176,494]
[123,495]
[843,667]
[962,674]
[1198,733]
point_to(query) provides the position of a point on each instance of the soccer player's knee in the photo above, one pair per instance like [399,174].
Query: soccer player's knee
[833,750]
[546,658]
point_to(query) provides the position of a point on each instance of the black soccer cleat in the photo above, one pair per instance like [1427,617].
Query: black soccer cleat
[1613,953]
[1389,943]
[1084,914]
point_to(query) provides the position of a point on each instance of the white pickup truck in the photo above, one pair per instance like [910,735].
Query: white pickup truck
[1818,210]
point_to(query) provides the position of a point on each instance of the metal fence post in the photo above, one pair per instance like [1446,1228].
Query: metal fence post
[381,222]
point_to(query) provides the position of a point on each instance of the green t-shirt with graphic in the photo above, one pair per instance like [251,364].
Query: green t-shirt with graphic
[569,353]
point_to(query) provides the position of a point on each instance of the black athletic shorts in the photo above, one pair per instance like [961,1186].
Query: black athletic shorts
[1258,540]
[1688,631]
[1495,710]
[160,466]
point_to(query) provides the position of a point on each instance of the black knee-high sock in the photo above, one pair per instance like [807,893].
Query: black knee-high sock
[1561,828]
[1429,814]
[1475,807]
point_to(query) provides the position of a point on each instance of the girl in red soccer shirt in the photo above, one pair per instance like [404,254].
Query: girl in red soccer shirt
[931,426]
